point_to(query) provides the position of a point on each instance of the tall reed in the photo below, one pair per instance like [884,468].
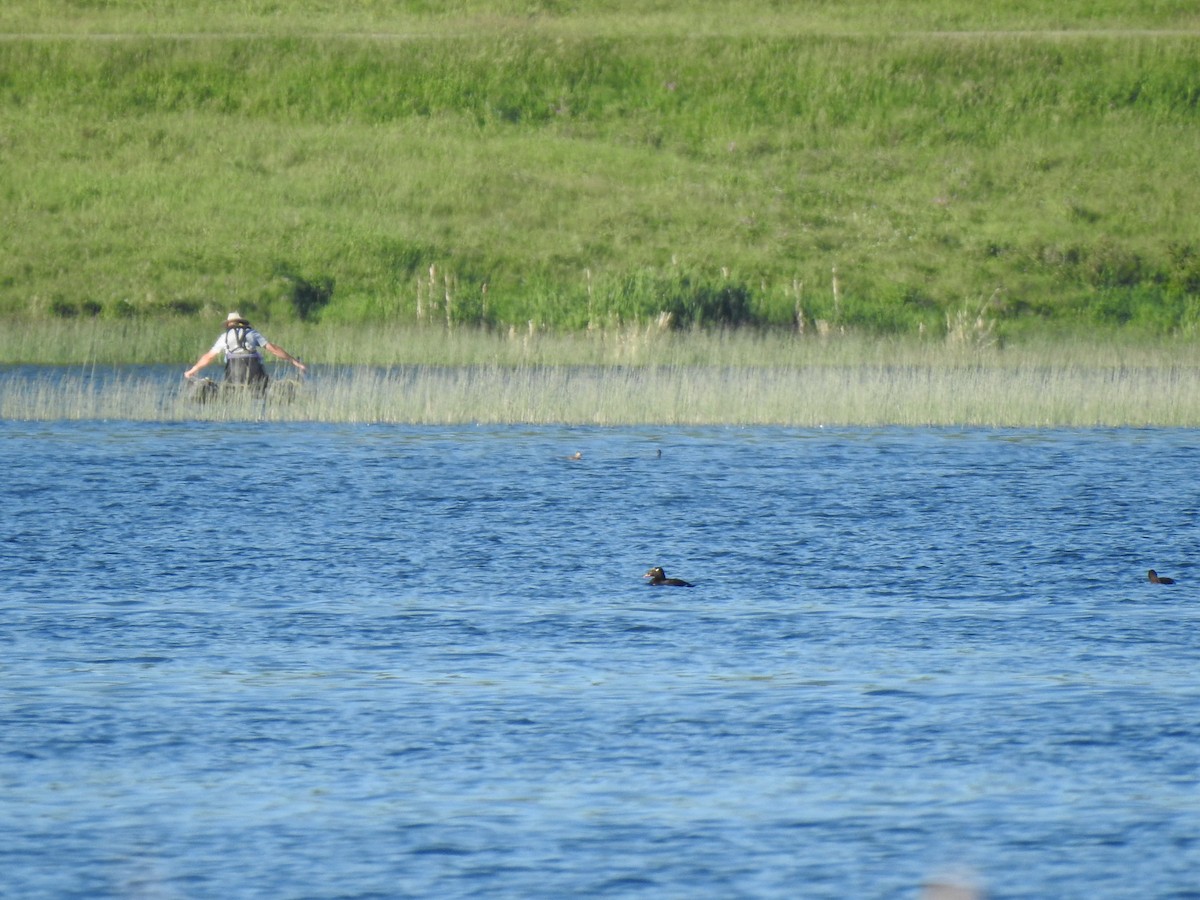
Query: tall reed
[813,394]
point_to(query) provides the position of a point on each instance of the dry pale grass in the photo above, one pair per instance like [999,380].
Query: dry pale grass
[798,396]
[647,374]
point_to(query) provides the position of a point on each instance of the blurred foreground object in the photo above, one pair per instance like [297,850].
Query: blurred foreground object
[952,886]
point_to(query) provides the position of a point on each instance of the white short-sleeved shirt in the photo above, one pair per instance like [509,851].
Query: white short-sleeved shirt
[227,343]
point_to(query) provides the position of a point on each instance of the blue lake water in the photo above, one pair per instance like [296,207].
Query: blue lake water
[350,661]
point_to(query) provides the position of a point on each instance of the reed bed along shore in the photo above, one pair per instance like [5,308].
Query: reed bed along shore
[646,375]
[803,396]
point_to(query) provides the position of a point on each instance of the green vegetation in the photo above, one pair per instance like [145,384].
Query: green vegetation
[88,343]
[862,167]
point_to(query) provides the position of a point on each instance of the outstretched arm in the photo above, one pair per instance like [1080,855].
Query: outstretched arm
[283,354]
[201,363]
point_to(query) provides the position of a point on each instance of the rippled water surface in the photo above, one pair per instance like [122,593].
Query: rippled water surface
[334,661]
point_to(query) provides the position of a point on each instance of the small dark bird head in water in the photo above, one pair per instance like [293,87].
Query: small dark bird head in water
[657,576]
[1155,578]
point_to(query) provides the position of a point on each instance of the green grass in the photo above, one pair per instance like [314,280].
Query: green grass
[599,168]
[558,17]
[970,342]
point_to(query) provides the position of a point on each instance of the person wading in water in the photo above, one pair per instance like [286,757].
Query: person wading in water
[243,362]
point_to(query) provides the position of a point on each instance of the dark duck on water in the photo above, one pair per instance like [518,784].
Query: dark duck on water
[657,576]
[1155,578]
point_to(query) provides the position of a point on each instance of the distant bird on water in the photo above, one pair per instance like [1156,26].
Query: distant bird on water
[657,576]
[1155,578]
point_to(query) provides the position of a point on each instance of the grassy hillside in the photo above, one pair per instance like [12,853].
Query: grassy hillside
[877,167]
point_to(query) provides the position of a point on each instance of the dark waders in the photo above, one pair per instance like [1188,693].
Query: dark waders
[246,371]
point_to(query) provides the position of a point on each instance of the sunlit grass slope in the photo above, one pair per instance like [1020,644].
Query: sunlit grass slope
[865,166]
